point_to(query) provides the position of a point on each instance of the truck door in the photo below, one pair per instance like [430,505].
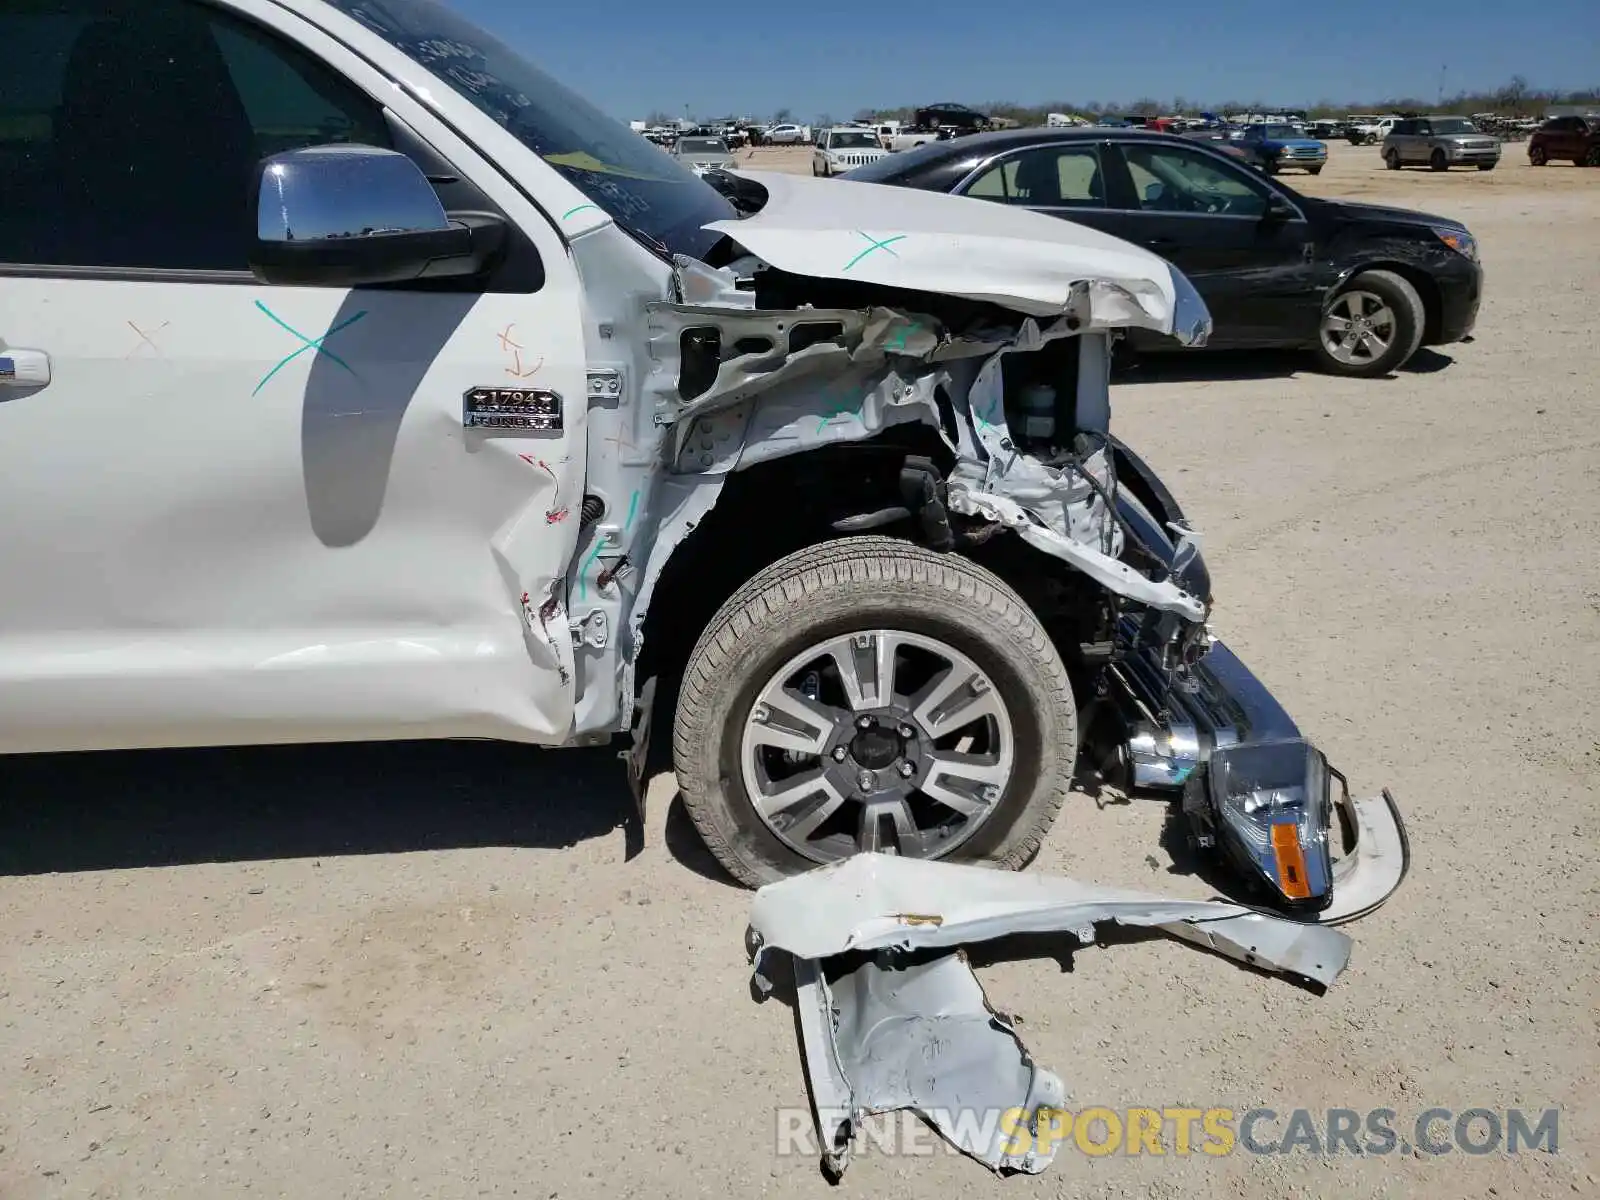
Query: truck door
[247,513]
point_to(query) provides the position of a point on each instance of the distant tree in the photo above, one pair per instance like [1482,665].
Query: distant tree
[824,121]
[1010,110]
[1516,96]
[865,115]
[1514,93]
[657,117]
[782,117]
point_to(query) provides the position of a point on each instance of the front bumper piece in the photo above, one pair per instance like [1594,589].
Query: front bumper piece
[1346,856]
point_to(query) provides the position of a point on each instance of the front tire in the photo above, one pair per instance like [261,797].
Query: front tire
[1438,162]
[1537,156]
[789,756]
[1592,159]
[1391,159]
[1371,326]
[1486,166]
[1313,170]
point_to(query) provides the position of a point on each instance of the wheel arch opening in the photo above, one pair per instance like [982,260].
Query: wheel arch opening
[774,509]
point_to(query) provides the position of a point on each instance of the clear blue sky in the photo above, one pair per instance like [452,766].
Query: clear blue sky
[754,57]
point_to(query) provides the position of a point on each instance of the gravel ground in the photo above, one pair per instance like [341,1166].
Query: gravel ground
[450,970]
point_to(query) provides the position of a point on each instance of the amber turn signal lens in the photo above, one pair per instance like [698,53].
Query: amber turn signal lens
[1291,861]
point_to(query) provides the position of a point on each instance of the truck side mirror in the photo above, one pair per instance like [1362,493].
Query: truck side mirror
[354,216]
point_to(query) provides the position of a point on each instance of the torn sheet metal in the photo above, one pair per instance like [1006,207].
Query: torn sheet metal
[888,1033]
[968,495]
[1374,867]
[918,1036]
[874,369]
[882,901]
[957,246]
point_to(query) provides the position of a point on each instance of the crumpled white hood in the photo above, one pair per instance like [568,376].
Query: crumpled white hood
[956,246]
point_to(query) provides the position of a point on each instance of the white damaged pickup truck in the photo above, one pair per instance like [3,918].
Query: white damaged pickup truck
[360,381]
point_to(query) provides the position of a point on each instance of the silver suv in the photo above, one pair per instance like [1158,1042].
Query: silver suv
[1441,143]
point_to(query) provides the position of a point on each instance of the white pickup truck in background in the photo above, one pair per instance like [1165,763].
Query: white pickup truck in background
[909,137]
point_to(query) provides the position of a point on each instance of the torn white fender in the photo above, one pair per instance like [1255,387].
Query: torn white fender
[883,901]
[920,1036]
[895,1029]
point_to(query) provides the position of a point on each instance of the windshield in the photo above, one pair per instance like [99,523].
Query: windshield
[701,146]
[1280,133]
[1453,125]
[618,170]
[852,141]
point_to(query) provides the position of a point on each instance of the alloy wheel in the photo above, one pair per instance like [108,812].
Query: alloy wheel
[877,740]
[1359,327]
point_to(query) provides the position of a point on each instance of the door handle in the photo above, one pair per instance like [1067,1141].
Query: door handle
[24,368]
[1161,244]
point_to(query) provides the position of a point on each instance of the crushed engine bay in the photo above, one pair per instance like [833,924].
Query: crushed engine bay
[975,358]
[776,381]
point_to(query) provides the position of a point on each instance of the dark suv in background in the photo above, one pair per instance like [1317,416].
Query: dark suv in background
[1575,139]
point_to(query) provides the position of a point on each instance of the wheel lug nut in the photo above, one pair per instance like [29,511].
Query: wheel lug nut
[980,686]
[866,780]
[906,731]
[838,754]
[907,770]
[991,794]
[863,641]
[864,722]
[761,713]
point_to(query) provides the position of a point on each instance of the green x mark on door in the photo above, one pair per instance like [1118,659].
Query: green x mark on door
[315,345]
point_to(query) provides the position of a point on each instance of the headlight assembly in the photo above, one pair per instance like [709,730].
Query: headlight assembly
[1458,240]
[1267,807]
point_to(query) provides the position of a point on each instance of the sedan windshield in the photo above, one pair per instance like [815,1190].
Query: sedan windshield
[852,141]
[618,170]
[1454,125]
[701,146]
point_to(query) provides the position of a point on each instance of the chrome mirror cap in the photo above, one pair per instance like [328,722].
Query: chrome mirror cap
[344,191]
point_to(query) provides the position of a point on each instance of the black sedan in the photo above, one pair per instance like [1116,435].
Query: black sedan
[1359,285]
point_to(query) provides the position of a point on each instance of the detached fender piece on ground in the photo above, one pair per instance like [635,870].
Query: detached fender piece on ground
[900,1029]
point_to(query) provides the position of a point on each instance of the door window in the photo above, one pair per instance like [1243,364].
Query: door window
[1048,177]
[129,133]
[1175,179]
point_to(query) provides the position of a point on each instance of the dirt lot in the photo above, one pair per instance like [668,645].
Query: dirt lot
[447,970]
